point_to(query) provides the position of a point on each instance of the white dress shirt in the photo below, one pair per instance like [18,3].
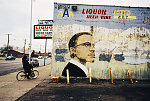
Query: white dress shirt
[81,66]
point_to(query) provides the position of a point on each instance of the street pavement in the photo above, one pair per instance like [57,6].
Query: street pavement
[11,89]
[11,66]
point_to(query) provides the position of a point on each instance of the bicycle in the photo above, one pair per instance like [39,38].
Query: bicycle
[22,75]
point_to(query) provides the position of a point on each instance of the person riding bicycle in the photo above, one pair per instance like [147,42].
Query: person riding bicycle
[26,66]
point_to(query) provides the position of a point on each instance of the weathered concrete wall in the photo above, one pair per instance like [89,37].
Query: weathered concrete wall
[123,33]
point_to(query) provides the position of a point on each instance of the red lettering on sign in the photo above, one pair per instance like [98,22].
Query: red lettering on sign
[99,11]
[37,27]
[87,11]
[94,11]
[92,16]
[104,12]
[105,17]
[44,27]
[83,11]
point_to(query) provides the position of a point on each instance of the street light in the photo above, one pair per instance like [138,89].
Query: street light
[30,34]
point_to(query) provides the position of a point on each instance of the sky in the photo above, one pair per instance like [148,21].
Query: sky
[15,17]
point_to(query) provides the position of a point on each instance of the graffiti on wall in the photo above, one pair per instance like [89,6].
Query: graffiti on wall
[146,20]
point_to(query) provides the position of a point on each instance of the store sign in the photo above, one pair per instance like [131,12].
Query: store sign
[45,22]
[43,31]
[30,45]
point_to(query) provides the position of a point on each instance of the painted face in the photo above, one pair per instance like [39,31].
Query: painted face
[85,48]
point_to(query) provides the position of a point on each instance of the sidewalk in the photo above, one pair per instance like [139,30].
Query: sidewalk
[79,89]
[11,89]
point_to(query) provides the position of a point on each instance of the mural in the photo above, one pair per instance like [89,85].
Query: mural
[101,37]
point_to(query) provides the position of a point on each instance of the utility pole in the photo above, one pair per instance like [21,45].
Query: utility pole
[30,34]
[8,44]
[45,50]
[40,49]
[24,45]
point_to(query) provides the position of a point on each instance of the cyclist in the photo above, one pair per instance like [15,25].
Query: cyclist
[26,66]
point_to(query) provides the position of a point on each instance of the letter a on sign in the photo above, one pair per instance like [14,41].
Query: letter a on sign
[66,13]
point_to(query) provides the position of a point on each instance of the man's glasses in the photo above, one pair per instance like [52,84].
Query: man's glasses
[86,44]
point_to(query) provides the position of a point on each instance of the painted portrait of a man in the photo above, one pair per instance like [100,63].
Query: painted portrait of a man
[82,51]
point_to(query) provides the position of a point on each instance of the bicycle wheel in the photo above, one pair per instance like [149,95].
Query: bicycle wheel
[34,74]
[20,76]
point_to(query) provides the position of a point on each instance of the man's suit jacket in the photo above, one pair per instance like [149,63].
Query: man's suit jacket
[74,71]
